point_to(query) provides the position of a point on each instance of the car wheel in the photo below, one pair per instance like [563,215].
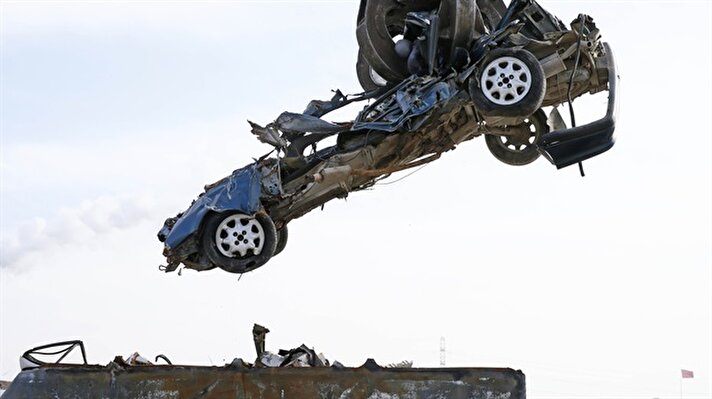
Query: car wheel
[458,19]
[520,148]
[282,236]
[239,243]
[385,63]
[383,22]
[369,78]
[509,83]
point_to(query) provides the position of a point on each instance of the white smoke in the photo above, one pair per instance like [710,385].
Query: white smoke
[83,224]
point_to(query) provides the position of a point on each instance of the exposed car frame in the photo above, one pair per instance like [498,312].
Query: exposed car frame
[470,69]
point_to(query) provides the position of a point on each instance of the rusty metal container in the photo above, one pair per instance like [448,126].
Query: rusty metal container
[119,381]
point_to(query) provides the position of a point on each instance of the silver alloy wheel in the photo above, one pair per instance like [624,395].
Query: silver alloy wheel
[506,80]
[238,234]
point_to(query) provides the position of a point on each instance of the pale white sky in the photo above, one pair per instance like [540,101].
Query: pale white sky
[115,114]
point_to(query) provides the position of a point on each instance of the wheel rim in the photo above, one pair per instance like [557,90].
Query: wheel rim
[523,140]
[506,81]
[239,234]
[377,79]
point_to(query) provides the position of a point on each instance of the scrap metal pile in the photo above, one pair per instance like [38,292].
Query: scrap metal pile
[48,371]
[302,356]
[435,73]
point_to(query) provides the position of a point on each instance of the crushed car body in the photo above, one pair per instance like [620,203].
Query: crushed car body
[435,74]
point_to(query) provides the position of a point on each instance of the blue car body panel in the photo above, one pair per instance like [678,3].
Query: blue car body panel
[414,97]
[239,192]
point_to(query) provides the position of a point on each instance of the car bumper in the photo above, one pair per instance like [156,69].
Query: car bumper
[565,147]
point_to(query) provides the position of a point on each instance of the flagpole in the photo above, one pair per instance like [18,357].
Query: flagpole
[685,374]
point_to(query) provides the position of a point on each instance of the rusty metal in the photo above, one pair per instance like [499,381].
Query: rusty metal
[370,381]
[258,335]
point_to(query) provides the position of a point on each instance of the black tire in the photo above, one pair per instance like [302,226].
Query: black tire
[367,77]
[519,150]
[457,19]
[522,103]
[282,237]
[383,20]
[390,67]
[238,263]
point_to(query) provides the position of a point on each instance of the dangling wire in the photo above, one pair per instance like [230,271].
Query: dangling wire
[403,177]
[582,18]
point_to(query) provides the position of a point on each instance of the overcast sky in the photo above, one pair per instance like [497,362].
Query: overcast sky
[115,114]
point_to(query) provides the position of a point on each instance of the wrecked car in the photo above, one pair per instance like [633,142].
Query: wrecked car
[435,74]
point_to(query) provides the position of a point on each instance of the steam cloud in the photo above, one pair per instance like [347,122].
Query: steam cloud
[72,226]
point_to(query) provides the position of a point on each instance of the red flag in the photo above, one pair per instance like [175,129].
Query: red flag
[687,374]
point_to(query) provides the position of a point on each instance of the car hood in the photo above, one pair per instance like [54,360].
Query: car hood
[238,192]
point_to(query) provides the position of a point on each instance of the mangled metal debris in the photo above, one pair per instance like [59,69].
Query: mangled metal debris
[53,353]
[301,356]
[296,373]
[438,73]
